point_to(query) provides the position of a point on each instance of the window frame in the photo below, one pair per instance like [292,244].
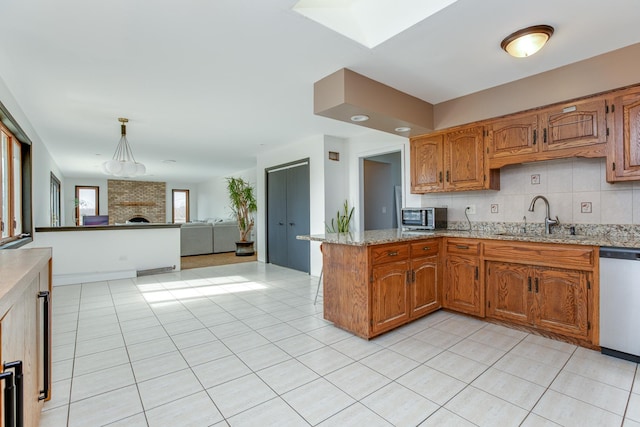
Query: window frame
[173,205]
[54,200]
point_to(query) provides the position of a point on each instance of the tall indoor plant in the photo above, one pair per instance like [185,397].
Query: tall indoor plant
[243,205]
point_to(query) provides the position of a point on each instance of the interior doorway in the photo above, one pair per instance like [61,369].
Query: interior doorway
[288,215]
[381,181]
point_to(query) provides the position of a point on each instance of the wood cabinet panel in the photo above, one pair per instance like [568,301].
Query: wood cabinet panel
[573,125]
[562,301]
[541,253]
[626,149]
[390,295]
[463,246]
[427,164]
[425,288]
[389,253]
[513,136]
[464,159]
[462,289]
[508,292]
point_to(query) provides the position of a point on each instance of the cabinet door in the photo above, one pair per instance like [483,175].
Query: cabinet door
[627,136]
[514,136]
[561,301]
[389,295]
[427,171]
[509,292]
[464,159]
[574,125]
[462,285]
[424,289]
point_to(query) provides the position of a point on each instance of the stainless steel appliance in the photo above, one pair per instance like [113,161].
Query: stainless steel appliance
[424,218]
[620,302]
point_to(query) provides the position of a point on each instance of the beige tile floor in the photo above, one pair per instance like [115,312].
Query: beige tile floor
[244,345]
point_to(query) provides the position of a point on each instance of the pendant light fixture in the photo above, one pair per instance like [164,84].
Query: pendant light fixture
[527,41]
[123,163]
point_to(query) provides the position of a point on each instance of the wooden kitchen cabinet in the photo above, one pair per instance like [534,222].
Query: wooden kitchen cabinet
[624,159]
[427,164]
[463,290]
[451,161]
[370,290]
[573,129]
[26,273]
[390,295]
[546,287]
[553,300]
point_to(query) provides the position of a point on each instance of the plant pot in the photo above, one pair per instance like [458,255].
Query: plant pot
[244,248]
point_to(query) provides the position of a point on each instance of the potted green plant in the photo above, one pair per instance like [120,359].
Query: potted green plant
[342,222]
[243,205]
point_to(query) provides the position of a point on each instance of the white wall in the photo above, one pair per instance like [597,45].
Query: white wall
[213,198]
[566,183]
[42,162]
[97,255]
[336,182]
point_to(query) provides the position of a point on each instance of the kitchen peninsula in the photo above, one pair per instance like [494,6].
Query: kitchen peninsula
[378,280]
[96,253]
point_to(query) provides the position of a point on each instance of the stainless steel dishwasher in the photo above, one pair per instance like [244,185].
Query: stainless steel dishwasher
[620,302]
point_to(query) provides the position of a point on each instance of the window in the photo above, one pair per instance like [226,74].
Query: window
[87,202]
[10,185]
[180,206]
[54,198]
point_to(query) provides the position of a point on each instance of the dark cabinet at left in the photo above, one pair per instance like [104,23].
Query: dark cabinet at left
[25,339]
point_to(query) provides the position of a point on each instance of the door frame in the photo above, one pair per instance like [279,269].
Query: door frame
[283,166]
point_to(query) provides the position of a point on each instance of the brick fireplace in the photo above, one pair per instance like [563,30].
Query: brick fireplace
[131,199]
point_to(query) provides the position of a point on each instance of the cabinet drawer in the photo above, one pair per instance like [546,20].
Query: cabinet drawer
[425,248]
[551,255]
[463,246]
[389,253]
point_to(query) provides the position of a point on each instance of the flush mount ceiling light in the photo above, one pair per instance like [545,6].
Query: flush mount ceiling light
[123,163]
[359,118]
[527,41]
[402,129]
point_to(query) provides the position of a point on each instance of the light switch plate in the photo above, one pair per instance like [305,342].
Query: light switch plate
[585,207]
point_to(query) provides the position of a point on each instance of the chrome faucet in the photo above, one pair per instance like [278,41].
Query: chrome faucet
[548,222]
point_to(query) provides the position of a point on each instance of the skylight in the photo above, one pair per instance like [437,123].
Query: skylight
[369,22]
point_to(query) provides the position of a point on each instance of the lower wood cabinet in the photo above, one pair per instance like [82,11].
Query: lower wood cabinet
[463,290]
[546,287]
[370,290]
[25,340]
[548,298]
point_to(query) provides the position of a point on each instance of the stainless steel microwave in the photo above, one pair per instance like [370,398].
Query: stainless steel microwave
[424,218]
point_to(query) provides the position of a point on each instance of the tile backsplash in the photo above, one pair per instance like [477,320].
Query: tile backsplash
[576,189]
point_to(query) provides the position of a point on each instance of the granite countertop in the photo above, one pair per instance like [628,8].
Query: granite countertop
[376,237]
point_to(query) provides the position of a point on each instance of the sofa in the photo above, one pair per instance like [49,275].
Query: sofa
[200,238]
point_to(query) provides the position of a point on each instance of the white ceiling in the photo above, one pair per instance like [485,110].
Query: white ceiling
[209,83]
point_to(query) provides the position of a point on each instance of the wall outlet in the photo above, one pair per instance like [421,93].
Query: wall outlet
[471,209]
[535,179]
[494,208]
[585,207]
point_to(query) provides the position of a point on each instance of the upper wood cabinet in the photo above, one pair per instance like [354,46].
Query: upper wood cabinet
[624,158]
[450,161]
[577,129]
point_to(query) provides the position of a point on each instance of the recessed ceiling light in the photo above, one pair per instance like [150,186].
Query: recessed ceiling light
[168,161]
[402,129]
[527,41]
[359,118]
